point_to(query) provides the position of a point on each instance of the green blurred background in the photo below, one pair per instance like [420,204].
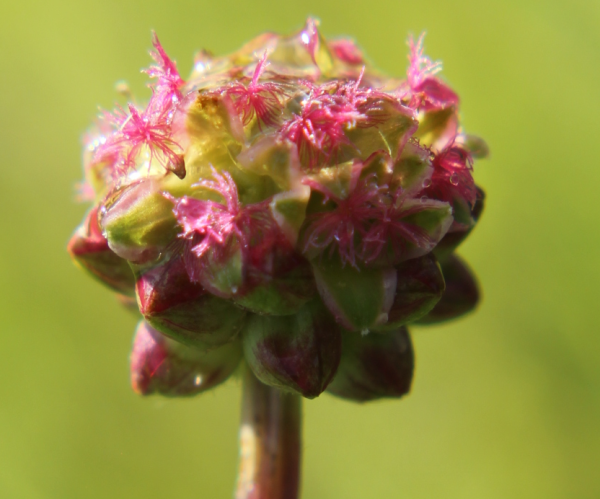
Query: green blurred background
[506,402]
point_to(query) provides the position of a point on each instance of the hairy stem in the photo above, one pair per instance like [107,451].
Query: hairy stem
[270,435]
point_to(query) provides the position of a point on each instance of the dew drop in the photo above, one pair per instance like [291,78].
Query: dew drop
[426,183]
[197,380]
[364,332]
[454,179]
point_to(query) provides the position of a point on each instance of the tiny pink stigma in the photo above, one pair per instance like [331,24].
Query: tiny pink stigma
[166,73]
[151,128]
[337,230]
[452,175]
[260,99]
[215,222]
[211,227]
[422,89]
[421,67]
[389,227]
[319,130]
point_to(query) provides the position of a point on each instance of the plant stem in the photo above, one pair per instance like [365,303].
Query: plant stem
[270,442]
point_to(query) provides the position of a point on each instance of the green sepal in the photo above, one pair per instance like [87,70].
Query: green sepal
[391,135]
[138,221]
[358,297]
[437,126]
[223,273]
[412,168]
[273,158]
[289,211]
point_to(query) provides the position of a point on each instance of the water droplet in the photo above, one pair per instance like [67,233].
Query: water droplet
[426,183]
[454,179]
[234,289]
[197,380]
[364,332]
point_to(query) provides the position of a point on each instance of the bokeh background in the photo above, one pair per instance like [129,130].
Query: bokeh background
[506,402]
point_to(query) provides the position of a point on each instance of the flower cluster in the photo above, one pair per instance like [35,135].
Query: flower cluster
[286,206]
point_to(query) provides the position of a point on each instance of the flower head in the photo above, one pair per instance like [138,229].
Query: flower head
[279,205]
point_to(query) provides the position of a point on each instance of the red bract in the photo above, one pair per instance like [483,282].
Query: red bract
[260,99]
[338,229]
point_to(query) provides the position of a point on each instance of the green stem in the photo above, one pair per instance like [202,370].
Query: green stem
[270,442]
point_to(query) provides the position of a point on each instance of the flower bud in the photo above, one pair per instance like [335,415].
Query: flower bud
[164,366]
[184,310]
[138,221]
[358,298]
[420,285]
[298,353]
[461,295]
[89,248]
[374,366]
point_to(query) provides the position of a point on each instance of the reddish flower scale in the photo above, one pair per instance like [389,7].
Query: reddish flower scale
[280,199]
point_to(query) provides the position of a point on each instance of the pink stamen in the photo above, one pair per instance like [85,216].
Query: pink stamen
[168,80]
